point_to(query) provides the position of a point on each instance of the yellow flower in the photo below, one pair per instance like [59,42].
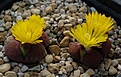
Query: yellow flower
[94,31]
[28,31]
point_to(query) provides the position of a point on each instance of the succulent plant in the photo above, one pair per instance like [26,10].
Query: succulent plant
[93,44]
[27,45]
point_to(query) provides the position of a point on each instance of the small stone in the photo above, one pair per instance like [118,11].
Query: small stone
[79,21]
[16,69]
[76,73]
[114,63]
[27,75]
[4,67]
[48,58]
[54,5]
[73,20]
[35,68]
[24,68]
[1,75]
[35,11]
[13,64]
[2,39]
[63,16]
[90,72]
[8,25]
[69,67]
[20,74]
[112,71]
[119,67]
[65,41]
[107,63]
[4,33]
[93,9]
[26,13]
[55,49]
[60,24]
[120,32]
[103,72]
[72,8]
[2,29]
[51,75]
[81,69]
[84,75]
[66,33]
[22,4]
[31,1]
[10,74]
[48,9]
[15,7]
[8,18]
[44,73]
[74,64]
[19,18]
[83,9]
[68,26]
[1,61]
[53,68]
[56,58]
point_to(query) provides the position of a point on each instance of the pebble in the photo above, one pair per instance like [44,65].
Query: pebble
[15,7]
[16,69]
[24,68]
[10,74]
[69,67]
[80,21]
[53,68]
[65,41]
[68,26]
[13,64]
[84,75]
[4,67]
[60,24]
[83,9]
[7,18]
[119,67]
[81,69]
[90,72]
[35,11]
[72,7]
[26,13]
[107,63]
[56,59]
[48,58]
[19,18]
[114,63]
[48,9]
[1,75]
[75,65]
[26,75]
[63,16]
[31,1]
[51,75]
[22,4]
[8,25]
[35,68]
[1,61]
[20,74]
[73,20]
[76,73]
[55,49]
[44,73]
[112,70]
[103,72]
[2,29]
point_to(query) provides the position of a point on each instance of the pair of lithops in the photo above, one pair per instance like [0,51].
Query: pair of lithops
[29,41]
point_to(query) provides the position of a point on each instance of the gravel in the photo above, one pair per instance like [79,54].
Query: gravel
[60,16]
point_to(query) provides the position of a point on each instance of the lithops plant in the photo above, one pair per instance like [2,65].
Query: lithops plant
[28,41]
[93,44]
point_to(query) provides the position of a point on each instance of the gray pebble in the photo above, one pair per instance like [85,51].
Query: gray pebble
[24,68]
